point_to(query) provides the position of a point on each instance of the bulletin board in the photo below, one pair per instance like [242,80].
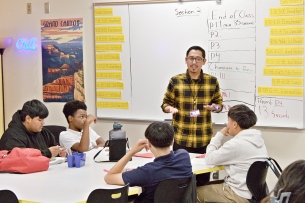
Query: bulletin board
[254,47]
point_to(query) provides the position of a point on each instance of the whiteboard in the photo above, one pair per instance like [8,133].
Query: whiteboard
[233,34]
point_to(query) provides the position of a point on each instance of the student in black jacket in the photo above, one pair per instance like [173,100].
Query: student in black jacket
[26,131]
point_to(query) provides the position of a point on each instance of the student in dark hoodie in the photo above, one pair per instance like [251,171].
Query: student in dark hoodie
[26,131]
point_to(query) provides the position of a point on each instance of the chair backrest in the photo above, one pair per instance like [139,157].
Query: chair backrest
[274,166]
[256,180]
[55,130]
[117,195]
[7,196]
[181,190]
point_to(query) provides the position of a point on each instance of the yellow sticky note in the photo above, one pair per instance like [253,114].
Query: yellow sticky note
[109,75]
[291,2]
[113,85]
[109,94]
[278,91]
[107,57]
[108,65]
[110,38]
[285,50]
[108,47]
[108,20]
[287,40]
[293,20]
[287,30]
[287,82]
[289,10]
[103,11]
[112,104]
[285,61]
[108,29]
[283,71]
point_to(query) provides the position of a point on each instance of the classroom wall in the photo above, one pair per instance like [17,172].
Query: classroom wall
[23,75]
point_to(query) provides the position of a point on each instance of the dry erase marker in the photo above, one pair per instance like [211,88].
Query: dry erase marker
[216,107]
[106,170]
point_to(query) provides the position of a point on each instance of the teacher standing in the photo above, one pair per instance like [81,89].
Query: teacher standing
[191,97]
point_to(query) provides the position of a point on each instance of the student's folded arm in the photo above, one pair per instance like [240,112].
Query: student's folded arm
[46,153]
[100,142]
[14,142]
[114,176]
[114,179]
[222,156]
[215,142]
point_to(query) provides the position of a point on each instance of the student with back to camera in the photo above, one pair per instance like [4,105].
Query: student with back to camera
[166,165]
[292,180]
[79,137]
[236,155]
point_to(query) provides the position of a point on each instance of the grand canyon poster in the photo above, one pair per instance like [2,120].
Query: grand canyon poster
[62,59]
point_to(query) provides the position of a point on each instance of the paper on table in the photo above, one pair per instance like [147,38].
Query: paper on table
[57,160]
[144,155]
[198,161]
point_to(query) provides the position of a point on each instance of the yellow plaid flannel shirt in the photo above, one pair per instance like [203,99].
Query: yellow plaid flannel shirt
[181,92]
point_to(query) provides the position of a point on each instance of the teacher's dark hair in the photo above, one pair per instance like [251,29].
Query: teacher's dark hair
[196,48]
[160,134]
[33,109]
[243,115]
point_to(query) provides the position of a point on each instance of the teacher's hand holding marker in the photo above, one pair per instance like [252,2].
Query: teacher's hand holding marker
[213,107]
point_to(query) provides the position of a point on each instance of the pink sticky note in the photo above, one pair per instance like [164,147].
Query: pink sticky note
[200,156]
[145,155]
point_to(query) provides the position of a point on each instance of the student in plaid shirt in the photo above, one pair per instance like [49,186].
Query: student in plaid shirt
[191,97]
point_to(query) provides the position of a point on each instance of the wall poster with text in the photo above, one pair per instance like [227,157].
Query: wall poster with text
[62,59]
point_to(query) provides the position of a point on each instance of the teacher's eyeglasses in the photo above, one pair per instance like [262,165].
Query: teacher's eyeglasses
[191,59]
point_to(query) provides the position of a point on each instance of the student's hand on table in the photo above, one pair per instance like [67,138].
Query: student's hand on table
[141,143]
[90,118]
[62,152]
[224,131]
[54,150]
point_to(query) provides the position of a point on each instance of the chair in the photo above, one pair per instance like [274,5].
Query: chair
[7,196]
[181,190]
[277,170]
[256,178]
[55,130]
[117,195]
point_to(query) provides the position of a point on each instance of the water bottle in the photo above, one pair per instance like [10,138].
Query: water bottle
[117,132]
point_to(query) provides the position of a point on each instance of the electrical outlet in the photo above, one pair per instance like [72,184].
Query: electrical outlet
[216,175]
[28,8]
[47,7]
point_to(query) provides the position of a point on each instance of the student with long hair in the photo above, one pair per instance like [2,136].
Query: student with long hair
[291,180]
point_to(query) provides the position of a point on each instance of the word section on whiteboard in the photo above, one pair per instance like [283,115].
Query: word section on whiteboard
[109,39]
[231,52]
[280,91]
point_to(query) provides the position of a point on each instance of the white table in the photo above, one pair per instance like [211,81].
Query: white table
[60,184]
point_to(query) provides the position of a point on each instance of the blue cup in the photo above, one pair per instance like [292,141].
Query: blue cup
[70,160]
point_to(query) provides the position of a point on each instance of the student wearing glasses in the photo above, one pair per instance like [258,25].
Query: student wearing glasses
[191,97]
